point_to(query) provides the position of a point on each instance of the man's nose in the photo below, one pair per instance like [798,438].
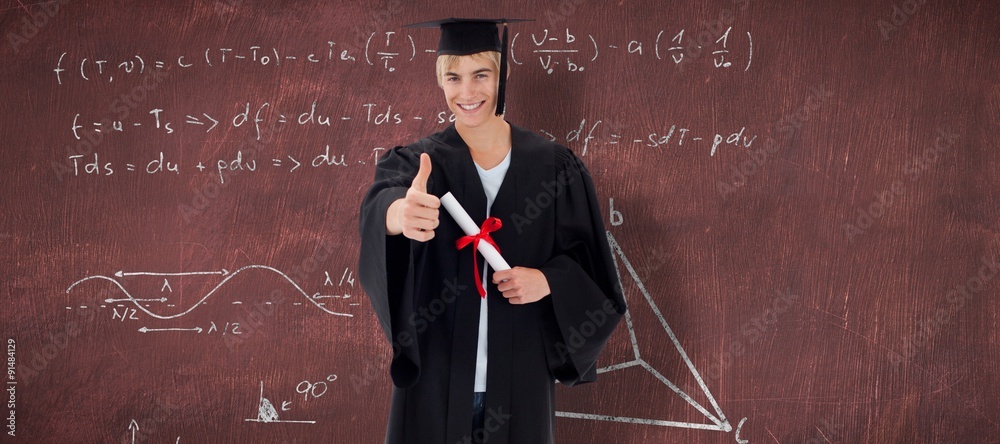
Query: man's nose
[468,89]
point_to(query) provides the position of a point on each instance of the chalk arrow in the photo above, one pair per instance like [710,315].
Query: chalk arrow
[147,329]
[296,164]
[120,273]
[194,121]
[319,296]
[214,122]
[135,300]
[133,426]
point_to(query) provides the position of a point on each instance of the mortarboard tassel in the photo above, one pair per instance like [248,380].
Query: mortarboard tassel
[502,88]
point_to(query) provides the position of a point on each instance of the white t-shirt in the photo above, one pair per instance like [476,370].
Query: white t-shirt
[491,178]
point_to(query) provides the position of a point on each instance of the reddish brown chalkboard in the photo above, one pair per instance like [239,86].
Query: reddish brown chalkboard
[801,196]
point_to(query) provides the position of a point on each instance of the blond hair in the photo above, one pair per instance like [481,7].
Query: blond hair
[448,61]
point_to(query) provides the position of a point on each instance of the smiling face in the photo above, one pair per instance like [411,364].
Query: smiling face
[470,88]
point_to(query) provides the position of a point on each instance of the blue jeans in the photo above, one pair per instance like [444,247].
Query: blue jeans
[478,415]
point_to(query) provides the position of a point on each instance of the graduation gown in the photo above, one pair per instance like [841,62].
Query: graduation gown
[426,300]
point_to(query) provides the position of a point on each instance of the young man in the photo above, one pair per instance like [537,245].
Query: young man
[476,352]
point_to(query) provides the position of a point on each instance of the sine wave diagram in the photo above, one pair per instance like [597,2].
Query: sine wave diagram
[227,276]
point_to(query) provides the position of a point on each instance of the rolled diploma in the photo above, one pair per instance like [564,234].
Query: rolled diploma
[469,227]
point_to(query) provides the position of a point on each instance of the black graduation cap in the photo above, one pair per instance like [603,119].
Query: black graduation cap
[464,36]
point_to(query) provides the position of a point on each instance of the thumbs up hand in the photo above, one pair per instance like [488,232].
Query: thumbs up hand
[416,215]
[420,181]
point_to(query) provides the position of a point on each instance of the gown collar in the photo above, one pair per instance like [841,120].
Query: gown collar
[470,189]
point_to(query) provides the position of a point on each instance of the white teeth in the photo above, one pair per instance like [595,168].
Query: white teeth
[470,107]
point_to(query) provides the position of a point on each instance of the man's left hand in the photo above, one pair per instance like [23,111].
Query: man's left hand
[522,285]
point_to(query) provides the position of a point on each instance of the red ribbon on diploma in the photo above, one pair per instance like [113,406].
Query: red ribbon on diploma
[490,225]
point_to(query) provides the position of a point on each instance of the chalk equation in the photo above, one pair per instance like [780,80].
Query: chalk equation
[672,135]
[160,163]
[250,116]
[586,133]
[388,50]
[573,52]
[131,308]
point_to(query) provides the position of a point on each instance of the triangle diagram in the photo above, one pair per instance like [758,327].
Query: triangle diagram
[634,357]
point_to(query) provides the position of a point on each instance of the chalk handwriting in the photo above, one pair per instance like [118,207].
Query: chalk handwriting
[93,165]
[573,52]
[266,412]
[566,50]
[676,135]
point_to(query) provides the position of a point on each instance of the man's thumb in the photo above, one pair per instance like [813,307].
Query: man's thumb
[420,181]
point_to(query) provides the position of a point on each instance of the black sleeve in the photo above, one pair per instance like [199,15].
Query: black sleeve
[385,262]
[586,294]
